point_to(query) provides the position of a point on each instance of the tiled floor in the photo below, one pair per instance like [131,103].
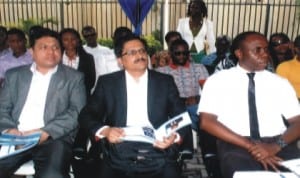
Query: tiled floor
[194,168]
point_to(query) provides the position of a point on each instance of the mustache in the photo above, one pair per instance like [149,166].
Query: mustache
[139,60]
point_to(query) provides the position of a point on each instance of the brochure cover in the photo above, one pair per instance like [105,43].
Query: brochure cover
[149,134]
[263,174]
[13,144]
[293,165]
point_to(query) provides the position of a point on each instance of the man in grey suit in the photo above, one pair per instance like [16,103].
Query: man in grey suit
[134,96]
[44,97]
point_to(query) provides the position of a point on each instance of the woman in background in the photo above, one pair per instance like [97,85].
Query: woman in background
[76,57]
[197,30]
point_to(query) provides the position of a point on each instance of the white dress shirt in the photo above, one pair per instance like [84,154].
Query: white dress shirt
[105,59]
[137,111]
[73,63]
[225,94]
[32,115]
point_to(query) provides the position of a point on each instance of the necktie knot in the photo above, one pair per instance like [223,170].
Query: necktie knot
[251,75]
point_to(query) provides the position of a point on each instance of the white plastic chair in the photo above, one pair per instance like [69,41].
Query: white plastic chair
[27,169]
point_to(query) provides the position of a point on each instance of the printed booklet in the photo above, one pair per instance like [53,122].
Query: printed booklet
[13,144]
[149,134]
[293,165]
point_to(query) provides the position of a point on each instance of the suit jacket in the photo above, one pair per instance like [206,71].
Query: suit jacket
[65,99]
[108,104]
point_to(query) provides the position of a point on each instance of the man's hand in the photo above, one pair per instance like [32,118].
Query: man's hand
[113,134]
[14,132]
[271,162]
[262,151]
[167,141]
[44,135]
[265,153]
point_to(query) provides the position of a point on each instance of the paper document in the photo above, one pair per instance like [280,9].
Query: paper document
[293,165]
[263,174]
[13,144]
[149,134]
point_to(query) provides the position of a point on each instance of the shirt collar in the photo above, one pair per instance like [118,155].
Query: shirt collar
[174,66]
[35,71]
[246,71]
[142,78]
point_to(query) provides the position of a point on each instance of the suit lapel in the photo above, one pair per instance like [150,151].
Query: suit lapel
[56,83]
[122,99]
[150,94]
[24,85]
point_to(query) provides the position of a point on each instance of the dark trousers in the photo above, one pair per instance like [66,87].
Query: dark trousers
[51,160]
[171,170]
[234,158]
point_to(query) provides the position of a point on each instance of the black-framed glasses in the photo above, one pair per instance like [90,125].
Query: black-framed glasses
[178,53]
[134,52]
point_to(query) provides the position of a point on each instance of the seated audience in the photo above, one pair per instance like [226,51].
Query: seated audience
[250,138]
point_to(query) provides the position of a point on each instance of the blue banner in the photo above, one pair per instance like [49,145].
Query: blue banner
[136,11]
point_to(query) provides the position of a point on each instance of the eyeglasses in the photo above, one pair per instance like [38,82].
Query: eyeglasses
[134,52]
[89,35]
[178,53]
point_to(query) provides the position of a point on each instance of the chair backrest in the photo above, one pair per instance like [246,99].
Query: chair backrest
[27,169]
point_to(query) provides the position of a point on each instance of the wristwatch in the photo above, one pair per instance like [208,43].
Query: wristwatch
[281,142]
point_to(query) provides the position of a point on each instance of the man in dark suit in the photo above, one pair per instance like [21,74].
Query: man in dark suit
[44,97]
[134,96]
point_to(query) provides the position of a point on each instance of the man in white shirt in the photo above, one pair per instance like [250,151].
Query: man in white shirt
[44,97]
[225,112]
[105,59]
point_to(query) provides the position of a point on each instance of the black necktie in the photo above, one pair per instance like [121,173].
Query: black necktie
[254,129]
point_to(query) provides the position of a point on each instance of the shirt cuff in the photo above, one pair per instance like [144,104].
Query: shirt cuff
[98,133]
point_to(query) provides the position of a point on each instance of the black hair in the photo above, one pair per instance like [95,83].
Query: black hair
[3,29]
[79,47]
[238,41]
[223,38]
[202,6]
[120,33]
[88,28]
[178,42]
[297,41]
[33,31]
[16,31]
[45,32]
[119,46]
[284,37]
[171,34]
